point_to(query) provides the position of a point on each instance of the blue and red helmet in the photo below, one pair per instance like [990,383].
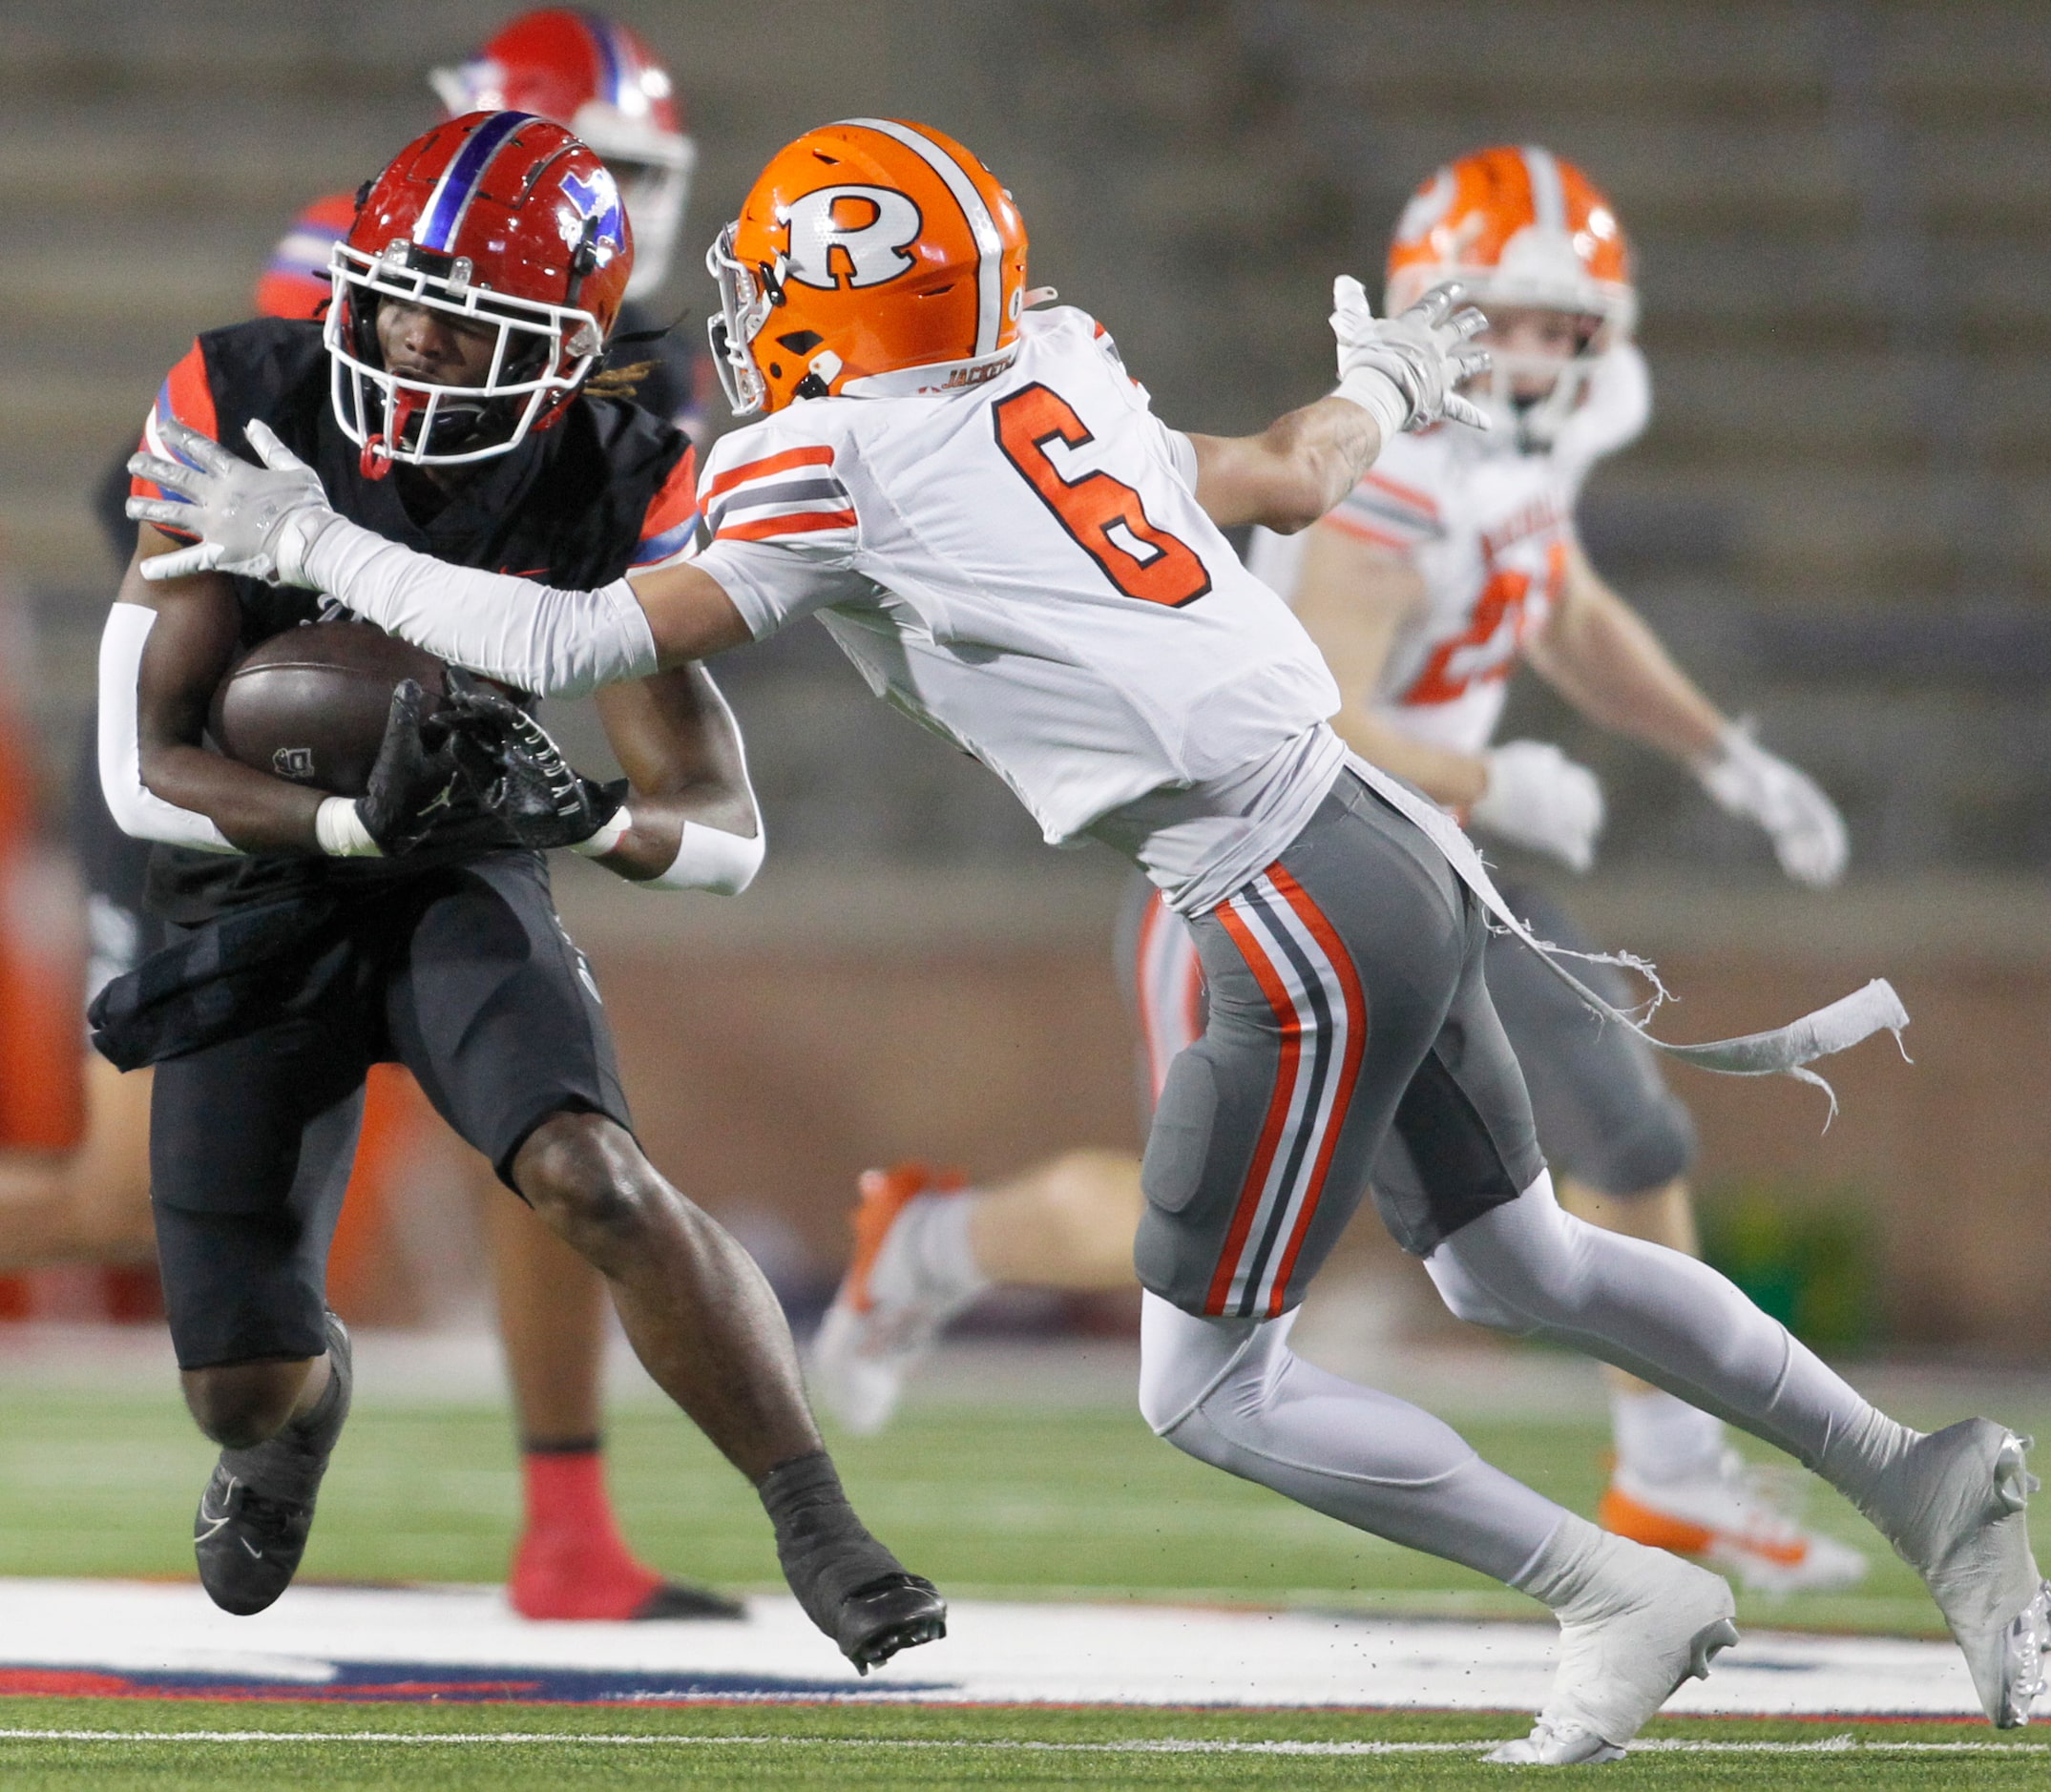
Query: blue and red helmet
[597,77]
[502,221]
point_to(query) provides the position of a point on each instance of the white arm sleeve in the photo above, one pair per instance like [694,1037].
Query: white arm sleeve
[555,643]
[136,810]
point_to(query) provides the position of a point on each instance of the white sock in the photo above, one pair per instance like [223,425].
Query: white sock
[1659,1438]
[1571,1572]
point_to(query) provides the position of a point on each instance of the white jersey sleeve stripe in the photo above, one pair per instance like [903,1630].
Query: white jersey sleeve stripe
[1390,491]
[794,522]
[791,494]
[784,494]
[989,245]
[1395,540]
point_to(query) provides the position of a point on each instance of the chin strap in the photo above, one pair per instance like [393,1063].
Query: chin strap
[400,408]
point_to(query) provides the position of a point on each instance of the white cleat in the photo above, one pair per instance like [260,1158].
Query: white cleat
[1662,1621]
[1732,1518]
[1953,1506]
[888,1313]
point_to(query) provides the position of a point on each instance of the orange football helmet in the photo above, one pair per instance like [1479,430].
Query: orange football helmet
[872,258]
[1517,227]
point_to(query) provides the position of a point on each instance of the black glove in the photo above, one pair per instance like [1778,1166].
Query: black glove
[521,777]
[413,782]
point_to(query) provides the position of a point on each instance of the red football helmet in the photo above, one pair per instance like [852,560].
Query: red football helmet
[499,219]
[595,75]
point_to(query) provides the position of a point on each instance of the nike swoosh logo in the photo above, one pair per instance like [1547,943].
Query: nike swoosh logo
[213,1520]
[255,1555]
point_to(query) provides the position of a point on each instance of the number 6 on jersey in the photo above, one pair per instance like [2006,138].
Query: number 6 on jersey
[1103,515]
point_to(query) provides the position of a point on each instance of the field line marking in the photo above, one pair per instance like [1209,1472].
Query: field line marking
[1164,1745]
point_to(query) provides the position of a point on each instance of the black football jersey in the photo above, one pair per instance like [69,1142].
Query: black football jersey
[609,487]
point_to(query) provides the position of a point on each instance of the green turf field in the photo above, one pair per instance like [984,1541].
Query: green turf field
[411,1746]
[1001,1503]
[1007,1504]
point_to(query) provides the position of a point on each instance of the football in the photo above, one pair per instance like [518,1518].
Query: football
[310,704]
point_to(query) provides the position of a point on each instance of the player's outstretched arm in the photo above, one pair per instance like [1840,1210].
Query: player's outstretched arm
[1394,374]
[274,522]
[1598,653]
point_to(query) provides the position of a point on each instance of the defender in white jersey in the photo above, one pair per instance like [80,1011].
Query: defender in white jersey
[1013,550]
[1452,562]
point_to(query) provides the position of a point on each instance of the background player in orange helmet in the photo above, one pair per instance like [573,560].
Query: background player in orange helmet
[1452,562]
[92,1204]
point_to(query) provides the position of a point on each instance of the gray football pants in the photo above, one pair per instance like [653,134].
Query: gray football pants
[1347,1003]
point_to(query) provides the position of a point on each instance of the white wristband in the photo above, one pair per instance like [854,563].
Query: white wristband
[607,836]
[709,859]
[339,826]
[1379,396]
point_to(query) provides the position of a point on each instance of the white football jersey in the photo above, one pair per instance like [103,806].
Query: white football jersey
[1022,566]
[1487,529]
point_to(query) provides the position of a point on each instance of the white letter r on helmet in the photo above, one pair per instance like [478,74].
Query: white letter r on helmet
[869,226]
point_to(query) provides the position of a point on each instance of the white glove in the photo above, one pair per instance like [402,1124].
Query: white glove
[255,521]
[1538,797]
[1807,832]
[1402,370]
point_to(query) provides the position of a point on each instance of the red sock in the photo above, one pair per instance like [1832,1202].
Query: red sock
[572,1561]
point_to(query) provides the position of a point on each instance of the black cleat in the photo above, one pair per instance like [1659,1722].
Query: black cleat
[899,1611]
[675,1600]
[850,1585]
[255,1516]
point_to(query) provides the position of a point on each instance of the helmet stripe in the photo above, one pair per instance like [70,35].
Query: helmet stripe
[449,202]
[612,65]
[989,245]
[1548,192]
